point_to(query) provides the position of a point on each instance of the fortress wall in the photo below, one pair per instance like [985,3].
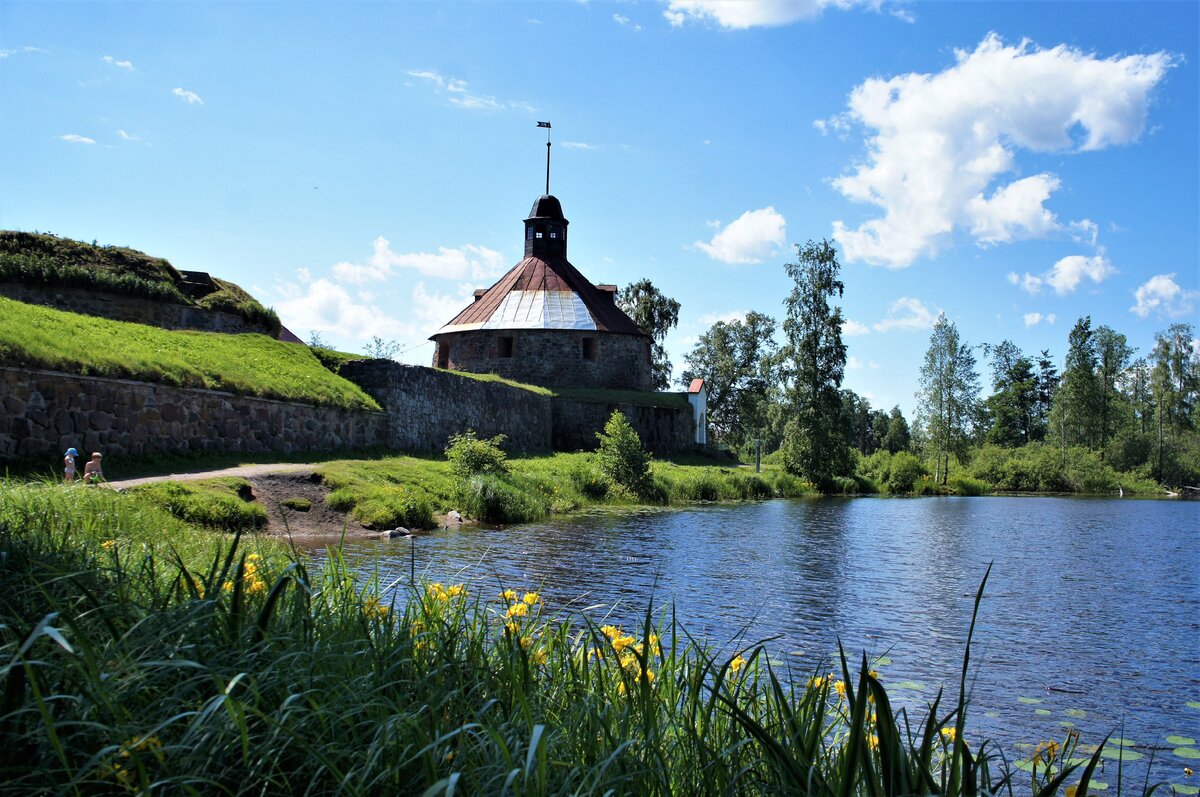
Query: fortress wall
[664,430]
[427,406]
[130,308]
[42,413]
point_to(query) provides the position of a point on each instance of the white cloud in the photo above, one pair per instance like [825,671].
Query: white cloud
[190,97]
[855,364]
[19,50]
[748,239]
[1033,319]
[127,136]
[710,319]
[1067,274]
[908,314]
[939,143]
[108,59]
[323,306]
[435,309]
[75,139]
[466,262]
[852,329]
[621,19]
[578,145]
[460,96]
[1162,294]
[742,14]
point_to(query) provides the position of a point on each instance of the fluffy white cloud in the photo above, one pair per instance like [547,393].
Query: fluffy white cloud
[435,308]
[1033,319]
[108,59]
[621,19]
[908,314]
[190,97]
[323,306]
[742,14]
[466,262]
[77,139]
[710,319]
[127,136]
[748,239]
[939,143]
[1067,274]
[1162,294]
[578,145]
[853,328]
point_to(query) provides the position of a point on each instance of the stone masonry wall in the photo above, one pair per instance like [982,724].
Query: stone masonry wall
[550,357]
[46,412]
[664,430]
[130,308]
[426,406]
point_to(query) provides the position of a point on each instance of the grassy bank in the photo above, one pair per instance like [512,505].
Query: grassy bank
[141,655]
[255,365]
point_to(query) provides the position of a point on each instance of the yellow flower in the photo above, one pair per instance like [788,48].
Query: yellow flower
[654,648]
[819,681]
[1070,791]
[253,558]
[374,610]
[873,742]
[108,545]
[456,590]
[416,627]
[874,674]
[508,595]
[949,734]
[227,586]
[540,656]
[512,627]
[256,587]
[531,598]
[610,631]
[840,688]
[737,664]
[621,642]
[518,610]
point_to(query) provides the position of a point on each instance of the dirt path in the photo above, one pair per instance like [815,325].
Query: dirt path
[272,485]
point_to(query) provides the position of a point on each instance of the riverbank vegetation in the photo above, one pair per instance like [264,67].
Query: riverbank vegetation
[142,655]
[1110,421]
[254,365]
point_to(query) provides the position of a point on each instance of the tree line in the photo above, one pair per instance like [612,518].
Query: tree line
[1108,408]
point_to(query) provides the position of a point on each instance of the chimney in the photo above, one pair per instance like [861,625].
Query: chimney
[479,292]
[610,291]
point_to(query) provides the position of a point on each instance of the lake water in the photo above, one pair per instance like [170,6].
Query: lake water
[1099,598]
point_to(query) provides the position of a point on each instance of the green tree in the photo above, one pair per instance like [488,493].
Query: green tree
[948,397]
[656,315]
[1077,400]
[1047,384]
[621,457]
[381,349]
[1012,407]
[1174,382]
[898,437]
[815,362]
[1113,353]
[735,361]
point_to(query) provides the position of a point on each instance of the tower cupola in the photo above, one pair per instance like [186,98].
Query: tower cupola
[546,229]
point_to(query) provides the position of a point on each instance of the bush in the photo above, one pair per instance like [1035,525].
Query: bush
[621,457]
[469,456]
[589,481]
[904,471]
[489,498]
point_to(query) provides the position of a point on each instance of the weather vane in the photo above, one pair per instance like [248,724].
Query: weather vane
[547,126]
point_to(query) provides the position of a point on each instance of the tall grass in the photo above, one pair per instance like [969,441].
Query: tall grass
[179,661]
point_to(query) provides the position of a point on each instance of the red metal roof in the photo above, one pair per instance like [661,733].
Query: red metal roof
[553,275]
[696,385]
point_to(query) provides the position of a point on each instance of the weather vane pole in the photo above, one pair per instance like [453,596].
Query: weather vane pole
[547,126]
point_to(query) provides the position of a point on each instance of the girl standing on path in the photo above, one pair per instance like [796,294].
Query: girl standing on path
[69,465]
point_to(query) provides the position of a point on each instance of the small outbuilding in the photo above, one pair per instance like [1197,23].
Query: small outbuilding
[544,323]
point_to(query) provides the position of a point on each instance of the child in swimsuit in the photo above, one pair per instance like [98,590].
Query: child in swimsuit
[69,465]
[91,471]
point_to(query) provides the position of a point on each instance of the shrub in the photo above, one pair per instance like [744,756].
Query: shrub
[589,481]
[469,456]
[206,507]
[621,457]
[491,499]
[905,470]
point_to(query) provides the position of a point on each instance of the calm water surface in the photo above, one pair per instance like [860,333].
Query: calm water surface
[1097,597]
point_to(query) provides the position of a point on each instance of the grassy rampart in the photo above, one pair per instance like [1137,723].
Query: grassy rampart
[254,365]
[139,655]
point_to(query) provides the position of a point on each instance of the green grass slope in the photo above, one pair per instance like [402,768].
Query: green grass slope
[254,365]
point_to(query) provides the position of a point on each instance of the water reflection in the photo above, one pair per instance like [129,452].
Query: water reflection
[1100,598]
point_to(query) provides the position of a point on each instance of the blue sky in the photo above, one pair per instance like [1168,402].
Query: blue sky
[363,167]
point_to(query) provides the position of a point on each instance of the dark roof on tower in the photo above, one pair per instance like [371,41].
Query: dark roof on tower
[547,207]
[544,294]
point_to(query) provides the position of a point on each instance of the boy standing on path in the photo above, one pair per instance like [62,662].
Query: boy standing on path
[69,465]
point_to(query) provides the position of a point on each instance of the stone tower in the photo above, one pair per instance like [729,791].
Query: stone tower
[544,323]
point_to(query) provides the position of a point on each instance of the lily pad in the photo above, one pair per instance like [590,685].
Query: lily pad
[1077,713]
[1180,741]
[1117,740]
[1098,785]
[1184,788]
[991,714]
[1066,724]
[915,686]
[1193,704]
[1121,754]
[882,661]
[1029,700]
[1187,752]
[1042,712]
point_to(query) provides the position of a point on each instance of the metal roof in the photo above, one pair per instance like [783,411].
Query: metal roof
[543,294]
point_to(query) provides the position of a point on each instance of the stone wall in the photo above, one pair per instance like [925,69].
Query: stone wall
[554,358]
[664,430]
[426,406]
[46,412]
[130,308]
